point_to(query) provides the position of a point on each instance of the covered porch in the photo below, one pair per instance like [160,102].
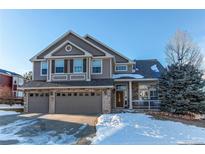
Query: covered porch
[140,94]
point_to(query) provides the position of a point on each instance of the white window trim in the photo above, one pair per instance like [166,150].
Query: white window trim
[63,66]
[42,67]
[74,66]
[101,63]
[121,70]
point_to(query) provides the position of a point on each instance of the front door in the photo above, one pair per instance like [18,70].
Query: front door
[119,99]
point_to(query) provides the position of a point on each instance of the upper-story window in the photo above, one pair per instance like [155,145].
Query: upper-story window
[121,68]
[78,65]
[59,66]
[97,66]
[44,68]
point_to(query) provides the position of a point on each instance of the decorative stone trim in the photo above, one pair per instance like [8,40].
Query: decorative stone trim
[25,102]
[52,101]
[106,101]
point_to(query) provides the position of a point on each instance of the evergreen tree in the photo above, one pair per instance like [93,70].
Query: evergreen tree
[181,89]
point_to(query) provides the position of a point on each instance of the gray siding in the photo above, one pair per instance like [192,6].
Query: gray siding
[63,52]
[94,51]
[118,58]
[37,71]
[105,70]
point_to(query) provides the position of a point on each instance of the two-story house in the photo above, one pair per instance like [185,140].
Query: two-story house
[81,75]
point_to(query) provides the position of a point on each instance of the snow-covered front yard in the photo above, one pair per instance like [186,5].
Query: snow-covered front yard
[137,128]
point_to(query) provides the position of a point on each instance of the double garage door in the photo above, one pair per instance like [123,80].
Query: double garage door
[67,103]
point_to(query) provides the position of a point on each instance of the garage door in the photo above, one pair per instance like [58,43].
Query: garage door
[38,102]
[78,103]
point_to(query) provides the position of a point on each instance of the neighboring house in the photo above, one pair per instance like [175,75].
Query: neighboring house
[9,83]
[81,75]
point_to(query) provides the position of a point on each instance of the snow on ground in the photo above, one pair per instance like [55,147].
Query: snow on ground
[137,128]
[3,113]
[14,106]
[154,68]
[10,132]
[136,76]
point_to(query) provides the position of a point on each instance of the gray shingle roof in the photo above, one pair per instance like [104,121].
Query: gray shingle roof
[144,68]
[42,84]
[2,71]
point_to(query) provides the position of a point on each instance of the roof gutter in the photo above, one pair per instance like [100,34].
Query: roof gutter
[146,79]
[70,87]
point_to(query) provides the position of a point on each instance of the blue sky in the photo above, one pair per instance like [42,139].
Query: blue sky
[138,34]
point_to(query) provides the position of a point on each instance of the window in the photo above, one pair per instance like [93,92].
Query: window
[59,66]
[78,65]
[121,68]
[153,95]
[121,87]
[68,48]
[97,66]
[44,68]
[21,81]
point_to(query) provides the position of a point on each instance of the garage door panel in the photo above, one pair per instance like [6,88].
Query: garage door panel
[78,104]
[38,104]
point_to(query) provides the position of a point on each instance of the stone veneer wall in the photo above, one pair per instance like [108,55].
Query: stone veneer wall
[106,101]
[135,90]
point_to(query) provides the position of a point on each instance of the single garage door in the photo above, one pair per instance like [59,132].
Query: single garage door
[78,103]
[38,102]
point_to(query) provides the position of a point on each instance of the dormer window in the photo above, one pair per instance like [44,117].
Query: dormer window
[59,66]
[44,68]
[121,68]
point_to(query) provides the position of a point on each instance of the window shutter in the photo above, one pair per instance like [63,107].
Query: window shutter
[65,66]
[84,65]
[71,66]
[53,66]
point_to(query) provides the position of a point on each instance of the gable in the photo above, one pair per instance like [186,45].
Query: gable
[75,39]
[119,58]
[62,51]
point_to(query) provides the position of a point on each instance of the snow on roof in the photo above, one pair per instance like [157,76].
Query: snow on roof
[154,68]
[136,76]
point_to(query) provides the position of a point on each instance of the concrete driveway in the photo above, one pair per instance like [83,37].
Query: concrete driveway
[47,129]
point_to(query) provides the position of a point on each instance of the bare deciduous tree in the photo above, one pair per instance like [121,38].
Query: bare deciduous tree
[182,50]
[28,75]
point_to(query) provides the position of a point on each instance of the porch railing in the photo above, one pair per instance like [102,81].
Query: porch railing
[146,104]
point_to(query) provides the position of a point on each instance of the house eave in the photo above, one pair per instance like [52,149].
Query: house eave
[143,79]
[68,87]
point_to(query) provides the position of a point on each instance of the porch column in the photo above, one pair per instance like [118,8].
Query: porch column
[130,94]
